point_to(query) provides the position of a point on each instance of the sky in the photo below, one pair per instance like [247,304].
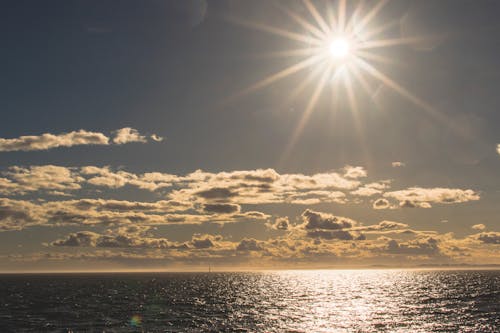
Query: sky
[175,135]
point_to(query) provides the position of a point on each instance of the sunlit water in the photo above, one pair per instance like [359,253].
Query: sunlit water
[291,301]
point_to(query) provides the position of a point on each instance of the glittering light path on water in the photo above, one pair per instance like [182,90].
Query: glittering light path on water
[297,301]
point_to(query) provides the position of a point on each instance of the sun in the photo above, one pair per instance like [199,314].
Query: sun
[339,48]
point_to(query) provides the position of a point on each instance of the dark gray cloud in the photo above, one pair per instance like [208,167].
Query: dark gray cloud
[249,245]
[335,234]
[427,247]
[381,204]
[489,237]
[318,220]
[217,193]
[202,243]
[221,208]
[120,240]
[281,223]
[81,238]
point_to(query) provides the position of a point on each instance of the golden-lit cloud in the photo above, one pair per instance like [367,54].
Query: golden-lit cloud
[48,141]
[423,197]
[76,138]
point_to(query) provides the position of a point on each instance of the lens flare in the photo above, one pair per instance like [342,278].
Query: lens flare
[135,321]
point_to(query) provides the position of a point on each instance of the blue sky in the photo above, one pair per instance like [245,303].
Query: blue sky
[134,97]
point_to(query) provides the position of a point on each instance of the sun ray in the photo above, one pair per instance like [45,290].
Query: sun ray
[343,49]
[332,21]
[291,95]
[275,31]
[341,15]
[368,17]
[398,88]
[353,17]
[319,19]
[300,20]
[376,57]
[279,75]
[399,41]
[356,116]
[305,51]
[380,29]
[305,116]
[364,83]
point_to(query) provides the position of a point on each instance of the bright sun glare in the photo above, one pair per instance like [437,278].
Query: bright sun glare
[339,48]
[335,48]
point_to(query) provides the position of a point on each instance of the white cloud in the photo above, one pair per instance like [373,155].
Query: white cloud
[156,138]
[354,172]
[398,164]
[479,227]
[127,135]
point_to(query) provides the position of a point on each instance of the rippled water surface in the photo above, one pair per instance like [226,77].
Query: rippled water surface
[290,301]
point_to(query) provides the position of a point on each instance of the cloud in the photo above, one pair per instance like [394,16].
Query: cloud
[335,234]
[422,197]
[221,208]
[381,203]
[398,164]
[354,172]
[16,215]
[202,243]
[414,204]
[249,245]
[20,214]
[217,193]
[428,246]
[498,148]
[48,141]
[371,189]
[479,227]
[81,238]
[316,197]
[318,220]
[261,186]
[489,237]
[46,177]
[75,138]
[280,223]
[156,138]
[383,226]
[127,135]
[123,237]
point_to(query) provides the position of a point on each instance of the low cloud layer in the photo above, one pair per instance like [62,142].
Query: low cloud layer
[76,138]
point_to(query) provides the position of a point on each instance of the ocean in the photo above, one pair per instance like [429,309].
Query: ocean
[277,301]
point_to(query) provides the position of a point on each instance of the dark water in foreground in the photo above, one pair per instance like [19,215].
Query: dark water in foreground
[291,301]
